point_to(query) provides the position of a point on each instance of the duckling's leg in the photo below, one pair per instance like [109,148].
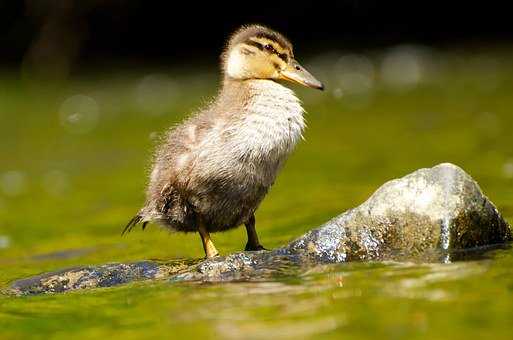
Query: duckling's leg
[253,243]
[208,245]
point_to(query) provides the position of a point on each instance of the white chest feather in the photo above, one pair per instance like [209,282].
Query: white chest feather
[271,124]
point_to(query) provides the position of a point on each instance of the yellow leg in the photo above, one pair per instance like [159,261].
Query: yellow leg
[208,245]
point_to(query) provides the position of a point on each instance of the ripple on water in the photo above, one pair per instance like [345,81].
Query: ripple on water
[273,329]
[420,280]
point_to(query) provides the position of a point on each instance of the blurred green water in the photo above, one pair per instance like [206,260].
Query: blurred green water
[74,157]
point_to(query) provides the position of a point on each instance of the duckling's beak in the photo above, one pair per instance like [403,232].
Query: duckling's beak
[298,74]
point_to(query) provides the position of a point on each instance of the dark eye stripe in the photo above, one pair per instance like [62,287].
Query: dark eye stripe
[268,36]
[256,44]
[270,48]
[246,51]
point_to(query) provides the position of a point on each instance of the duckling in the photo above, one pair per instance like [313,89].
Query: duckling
[212,171]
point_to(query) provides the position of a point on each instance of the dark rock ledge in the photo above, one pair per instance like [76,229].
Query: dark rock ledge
[428,215]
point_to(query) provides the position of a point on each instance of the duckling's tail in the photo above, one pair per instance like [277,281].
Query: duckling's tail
[133,222]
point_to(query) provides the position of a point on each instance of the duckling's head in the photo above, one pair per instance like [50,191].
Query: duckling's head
[257,52]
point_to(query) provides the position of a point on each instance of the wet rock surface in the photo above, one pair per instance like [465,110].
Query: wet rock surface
[106,275]
[429,215]
[431,211]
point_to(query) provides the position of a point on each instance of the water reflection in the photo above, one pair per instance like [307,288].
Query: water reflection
[234,307]
[324,298]
[274,329]
[420,281]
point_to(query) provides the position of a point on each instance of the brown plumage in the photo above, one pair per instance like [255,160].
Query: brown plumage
[213,170]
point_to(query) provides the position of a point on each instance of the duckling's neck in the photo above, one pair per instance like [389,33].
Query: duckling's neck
[262,97]
[270,120]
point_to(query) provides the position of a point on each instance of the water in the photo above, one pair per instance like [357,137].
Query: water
[74,157]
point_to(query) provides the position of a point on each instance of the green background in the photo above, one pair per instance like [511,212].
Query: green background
[75,154]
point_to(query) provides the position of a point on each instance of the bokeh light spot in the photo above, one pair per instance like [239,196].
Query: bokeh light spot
[13,183]
[56,183]
[155,93]
[507,169]
[79,114]
[5,241]
[355,74]
[404,67]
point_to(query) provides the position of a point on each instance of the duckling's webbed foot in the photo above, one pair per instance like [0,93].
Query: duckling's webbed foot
[253,243]
[251,247]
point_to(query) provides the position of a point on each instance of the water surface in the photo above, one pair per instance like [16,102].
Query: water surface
[74,156]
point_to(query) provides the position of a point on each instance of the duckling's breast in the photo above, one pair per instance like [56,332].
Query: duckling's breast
[270,126]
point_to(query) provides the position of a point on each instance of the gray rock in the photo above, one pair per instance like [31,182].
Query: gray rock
[431,214]
[106,275]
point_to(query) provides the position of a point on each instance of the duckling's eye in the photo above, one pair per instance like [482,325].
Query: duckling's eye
[269,47]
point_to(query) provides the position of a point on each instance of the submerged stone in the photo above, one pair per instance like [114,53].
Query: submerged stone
[106,275]
[431,214]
